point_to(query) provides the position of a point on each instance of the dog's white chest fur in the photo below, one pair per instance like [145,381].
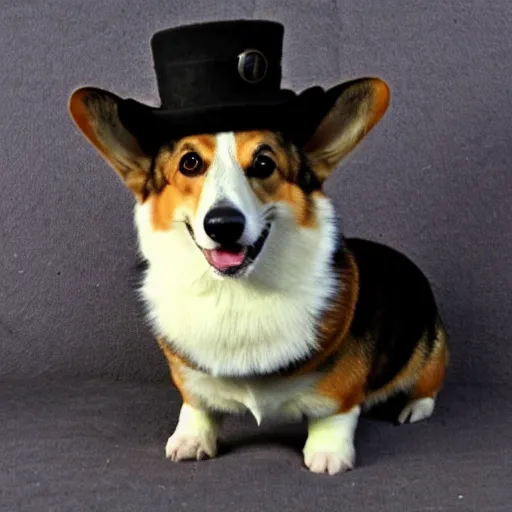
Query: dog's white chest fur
[230,332]
[287,398]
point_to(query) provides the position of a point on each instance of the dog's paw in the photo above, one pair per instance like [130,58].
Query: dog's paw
[329,447]
[190,446]
[330,462]
[417,410]
[195,436]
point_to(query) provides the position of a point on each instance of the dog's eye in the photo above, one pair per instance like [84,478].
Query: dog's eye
[191,164]
[262,167]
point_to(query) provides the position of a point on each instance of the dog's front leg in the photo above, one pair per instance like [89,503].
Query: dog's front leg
[195,436]
[329,447]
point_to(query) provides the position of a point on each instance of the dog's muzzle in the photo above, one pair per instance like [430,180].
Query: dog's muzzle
[225,225]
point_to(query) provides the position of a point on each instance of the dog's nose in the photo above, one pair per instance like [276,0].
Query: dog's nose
[224,224]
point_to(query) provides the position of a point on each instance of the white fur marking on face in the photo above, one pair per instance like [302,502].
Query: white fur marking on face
[226,183]
[195,436]
[417,410]
[329,447]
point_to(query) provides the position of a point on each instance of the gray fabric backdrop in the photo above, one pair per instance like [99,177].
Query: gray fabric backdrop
[433,179]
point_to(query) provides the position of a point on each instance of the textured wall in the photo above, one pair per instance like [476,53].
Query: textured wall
[434,178]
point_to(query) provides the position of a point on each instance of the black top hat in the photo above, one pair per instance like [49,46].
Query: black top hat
[222,76]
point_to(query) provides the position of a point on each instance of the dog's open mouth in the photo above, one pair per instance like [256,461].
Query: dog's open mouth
[233,260]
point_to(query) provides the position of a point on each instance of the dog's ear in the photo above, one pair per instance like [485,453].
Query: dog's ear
[96,114]
[356,108]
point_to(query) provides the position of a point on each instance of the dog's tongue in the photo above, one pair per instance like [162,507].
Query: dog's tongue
[222,259]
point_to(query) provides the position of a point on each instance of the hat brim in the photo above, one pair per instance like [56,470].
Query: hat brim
[296,115]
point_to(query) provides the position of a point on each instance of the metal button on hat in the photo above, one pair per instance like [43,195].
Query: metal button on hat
[252,66]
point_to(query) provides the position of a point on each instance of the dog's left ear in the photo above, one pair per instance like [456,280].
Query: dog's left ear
[357,106]
[96,114]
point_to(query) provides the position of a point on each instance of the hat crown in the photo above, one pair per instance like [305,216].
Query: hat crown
[221,76]
[224,61]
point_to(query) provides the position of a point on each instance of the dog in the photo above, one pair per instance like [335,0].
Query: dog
[257,300]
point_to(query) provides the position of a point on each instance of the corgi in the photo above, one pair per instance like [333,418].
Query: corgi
[256,299]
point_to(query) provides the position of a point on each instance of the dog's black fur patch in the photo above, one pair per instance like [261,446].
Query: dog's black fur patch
[395,308]
[306,178]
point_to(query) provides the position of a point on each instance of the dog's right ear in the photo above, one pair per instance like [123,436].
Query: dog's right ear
[95,112]
[357,106]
